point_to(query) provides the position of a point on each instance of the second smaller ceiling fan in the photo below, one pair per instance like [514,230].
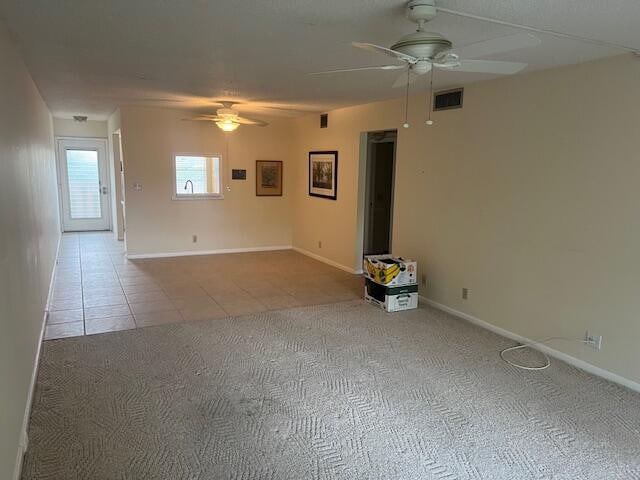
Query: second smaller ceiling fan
[228,119]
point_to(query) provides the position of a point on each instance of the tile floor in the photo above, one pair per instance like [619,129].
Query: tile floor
[97,289]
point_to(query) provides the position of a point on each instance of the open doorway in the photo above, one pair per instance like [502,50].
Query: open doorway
[379,184]
[119,185]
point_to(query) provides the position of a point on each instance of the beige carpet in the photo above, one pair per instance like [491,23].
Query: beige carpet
[340,391]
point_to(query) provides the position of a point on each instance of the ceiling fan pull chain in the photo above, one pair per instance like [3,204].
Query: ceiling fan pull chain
[430,103]
[406,100]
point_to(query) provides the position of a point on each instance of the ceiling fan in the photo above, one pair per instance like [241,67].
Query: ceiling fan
[227,119]
[422,51]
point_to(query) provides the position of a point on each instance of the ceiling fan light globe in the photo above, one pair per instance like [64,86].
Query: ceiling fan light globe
[227,125]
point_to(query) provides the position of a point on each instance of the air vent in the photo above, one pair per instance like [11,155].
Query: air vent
[448,100]
[324,120]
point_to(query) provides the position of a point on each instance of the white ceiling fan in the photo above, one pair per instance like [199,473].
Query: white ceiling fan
[422,51]
[227,118]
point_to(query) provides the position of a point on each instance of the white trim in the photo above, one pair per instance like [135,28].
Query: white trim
[326,260]
[59,172]
[138,256]
[24,439]
[576,362]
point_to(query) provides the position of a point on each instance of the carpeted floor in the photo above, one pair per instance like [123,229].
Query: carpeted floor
[339,391]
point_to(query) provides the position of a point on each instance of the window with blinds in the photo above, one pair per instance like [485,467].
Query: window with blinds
[84,184]
[197,176]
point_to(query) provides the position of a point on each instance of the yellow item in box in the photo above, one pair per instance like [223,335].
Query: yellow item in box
[389,270]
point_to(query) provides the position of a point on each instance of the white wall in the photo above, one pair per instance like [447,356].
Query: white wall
[157,224]
[65,127]
[29,234]
[528,196]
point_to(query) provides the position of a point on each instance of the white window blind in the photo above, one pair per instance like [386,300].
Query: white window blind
[84,184]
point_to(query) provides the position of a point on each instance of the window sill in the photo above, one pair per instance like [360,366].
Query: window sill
[198,197]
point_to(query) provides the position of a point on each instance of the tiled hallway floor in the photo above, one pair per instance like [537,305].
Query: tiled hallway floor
[97,289]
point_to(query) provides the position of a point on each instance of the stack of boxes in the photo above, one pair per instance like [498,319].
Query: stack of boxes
[391,282]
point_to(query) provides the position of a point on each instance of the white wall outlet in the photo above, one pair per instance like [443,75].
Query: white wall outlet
[194,238]
[423,280]
[465,293]
[594,341]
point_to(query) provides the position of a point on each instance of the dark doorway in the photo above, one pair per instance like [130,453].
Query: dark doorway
[378,220]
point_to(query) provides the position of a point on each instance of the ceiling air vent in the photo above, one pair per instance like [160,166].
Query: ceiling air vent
[448,99]
[324,120]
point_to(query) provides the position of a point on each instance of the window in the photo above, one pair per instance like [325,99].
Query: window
[197,176]
[84,184]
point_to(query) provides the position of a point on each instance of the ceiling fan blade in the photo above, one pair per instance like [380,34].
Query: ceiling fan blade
[387,51]
[203,118]
[497,45]
[359,69]
[250,121]
[401,81]
[485,66]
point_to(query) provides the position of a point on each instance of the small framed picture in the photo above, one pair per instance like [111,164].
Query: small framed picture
[323,174]
[268,178]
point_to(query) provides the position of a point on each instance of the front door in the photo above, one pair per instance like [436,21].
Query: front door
[84,186]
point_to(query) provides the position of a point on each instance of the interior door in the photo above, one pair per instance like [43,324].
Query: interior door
[84,184]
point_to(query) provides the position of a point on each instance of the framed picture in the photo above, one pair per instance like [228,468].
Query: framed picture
[323,174]
[268,178]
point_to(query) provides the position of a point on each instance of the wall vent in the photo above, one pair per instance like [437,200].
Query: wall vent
[324,120]
[448,99]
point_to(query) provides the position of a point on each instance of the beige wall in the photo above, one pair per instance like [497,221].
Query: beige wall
[157,224]
[528,196]
[65,127]
[335,223]
[29,234]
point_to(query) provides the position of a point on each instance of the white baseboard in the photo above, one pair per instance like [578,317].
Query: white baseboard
[138,256]
[322,259]
[576,362]
[24,438]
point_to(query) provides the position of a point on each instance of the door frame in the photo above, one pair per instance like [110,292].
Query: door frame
[58,141]
[363,191]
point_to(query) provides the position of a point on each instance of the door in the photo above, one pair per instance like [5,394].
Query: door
[379,193]
[84,185]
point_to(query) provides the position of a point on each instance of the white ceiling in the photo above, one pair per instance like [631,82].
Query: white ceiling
[90,56]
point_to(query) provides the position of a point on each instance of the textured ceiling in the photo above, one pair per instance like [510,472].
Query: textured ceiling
[90,56]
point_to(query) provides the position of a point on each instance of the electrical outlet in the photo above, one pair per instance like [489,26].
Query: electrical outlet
[319,243]
[465,293]
[592,340]
[423,280]
[194,238]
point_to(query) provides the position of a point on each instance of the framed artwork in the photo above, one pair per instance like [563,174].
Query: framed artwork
[268,178]
[238,174]
[323,174]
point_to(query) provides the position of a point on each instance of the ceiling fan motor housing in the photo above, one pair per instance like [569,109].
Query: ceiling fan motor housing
[421,11]
[423,45]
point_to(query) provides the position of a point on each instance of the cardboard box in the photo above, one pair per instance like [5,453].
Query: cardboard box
[390,271]
[391,299]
